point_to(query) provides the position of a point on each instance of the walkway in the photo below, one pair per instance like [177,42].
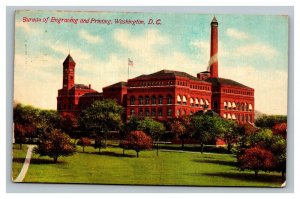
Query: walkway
[25,167]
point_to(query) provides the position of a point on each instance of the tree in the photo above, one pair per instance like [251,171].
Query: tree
[256,159]
[203,128]
[84,141]
[70,124]
[280,129]
[101,117]
[268,121]
[54,145]
[278,148]
[153,128]
[99,143]
[226,130]
[179,129]
[138,141]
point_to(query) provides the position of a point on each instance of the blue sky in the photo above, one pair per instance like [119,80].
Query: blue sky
[253,50]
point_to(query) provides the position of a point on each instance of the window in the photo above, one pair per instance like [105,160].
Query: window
[141,112]
[169,99]
[225,105]
[178,99]
[169,112]
[197,102]
[247,107]
[159,112]
[201,103]
[153,113]
[242,107]
[160,99]
[141,100]
[178,112]
[250,107]
[147,100]
[184,100]
[238,106]
[70,106]
[191,101]
[153,99]
[132,112]
[132,99]
[147,112]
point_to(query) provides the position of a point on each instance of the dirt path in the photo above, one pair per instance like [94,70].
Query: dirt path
[26,164]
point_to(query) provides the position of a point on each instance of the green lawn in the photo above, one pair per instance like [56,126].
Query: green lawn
[18,159]
[169,168]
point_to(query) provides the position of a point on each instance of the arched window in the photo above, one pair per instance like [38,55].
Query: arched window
[247,109]
[159,112]
[206,103]
[178,99]
[169,112]
[160,99]
[250,107]
[197,102]
[228,116]
[178,112]
[147,112]
[132,100]
[184,100]
[242,106]
[238,106]
[153,112]
[233,116]
[225,105]
[141,112]
[132,112]
[147,99]
[233,105]
[191,101]
[224,115]
[229,105]
[201,102]
[169,99]
[153,99]
[141,100]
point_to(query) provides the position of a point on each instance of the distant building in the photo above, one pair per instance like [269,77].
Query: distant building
[166,94]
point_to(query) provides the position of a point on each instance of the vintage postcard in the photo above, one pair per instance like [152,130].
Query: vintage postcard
[150,98]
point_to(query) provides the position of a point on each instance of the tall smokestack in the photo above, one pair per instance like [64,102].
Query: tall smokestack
[213,62]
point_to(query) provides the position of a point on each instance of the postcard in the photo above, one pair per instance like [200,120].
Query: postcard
[143,98]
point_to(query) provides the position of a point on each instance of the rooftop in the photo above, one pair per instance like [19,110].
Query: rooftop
[217,81]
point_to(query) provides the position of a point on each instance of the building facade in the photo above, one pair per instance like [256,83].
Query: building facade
[165,94]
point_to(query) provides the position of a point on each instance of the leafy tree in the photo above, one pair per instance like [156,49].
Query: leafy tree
[204,128]
[278,148]
[138,141]
[179,127]
[256,159]
[226,130]
[99,143]
[153,128]
[70,124]
[261,138]
[22,132]
[54,145]
[101,117]
[84,141]
[268,121]
[280,129]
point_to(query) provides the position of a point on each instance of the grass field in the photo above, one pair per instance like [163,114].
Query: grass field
[169,168]
[19,157]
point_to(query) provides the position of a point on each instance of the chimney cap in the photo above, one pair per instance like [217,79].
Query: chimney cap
[214,21]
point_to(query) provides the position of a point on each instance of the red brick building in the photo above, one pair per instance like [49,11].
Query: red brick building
[166,94]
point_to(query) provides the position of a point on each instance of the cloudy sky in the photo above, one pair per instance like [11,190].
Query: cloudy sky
[253,50]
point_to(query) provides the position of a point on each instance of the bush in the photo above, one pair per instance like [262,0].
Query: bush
[84,141]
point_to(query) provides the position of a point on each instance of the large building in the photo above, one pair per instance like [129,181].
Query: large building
[165,94]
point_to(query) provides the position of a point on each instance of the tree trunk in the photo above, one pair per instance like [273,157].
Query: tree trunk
[20,145]
[202,148]
[157,149]
[256,173]
[229,147]
[182,144]
[99,149]
[137,154]
[83,149]
[55,159]
[123,152]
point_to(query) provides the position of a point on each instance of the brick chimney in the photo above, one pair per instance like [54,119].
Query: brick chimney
[213,62]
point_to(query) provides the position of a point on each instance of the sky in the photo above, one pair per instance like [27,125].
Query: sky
[253,50]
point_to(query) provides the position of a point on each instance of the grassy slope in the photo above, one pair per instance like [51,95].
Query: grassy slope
[18,159]
[169,168]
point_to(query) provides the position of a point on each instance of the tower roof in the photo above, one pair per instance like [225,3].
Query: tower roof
[69,59]
[214,21]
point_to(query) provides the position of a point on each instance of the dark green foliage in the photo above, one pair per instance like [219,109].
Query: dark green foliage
[268,121]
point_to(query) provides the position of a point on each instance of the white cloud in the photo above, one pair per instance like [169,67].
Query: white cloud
[256,49]
[26,27]
[236,34]
[89,38]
